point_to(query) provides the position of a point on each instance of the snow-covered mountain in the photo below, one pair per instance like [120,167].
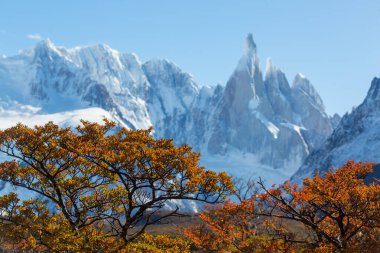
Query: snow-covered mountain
[267,117]
[252,126]
[357,137]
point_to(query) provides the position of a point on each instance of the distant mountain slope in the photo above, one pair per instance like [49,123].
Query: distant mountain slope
[357,137]
[254,126]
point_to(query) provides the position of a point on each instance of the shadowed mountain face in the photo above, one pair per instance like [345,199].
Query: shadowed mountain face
[255,115]
[356,137]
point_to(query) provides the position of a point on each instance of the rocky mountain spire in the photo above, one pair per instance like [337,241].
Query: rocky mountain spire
[249,61]
[373,95]
[250,46]
[259,116]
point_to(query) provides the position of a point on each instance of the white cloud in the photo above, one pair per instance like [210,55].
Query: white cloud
[34,36]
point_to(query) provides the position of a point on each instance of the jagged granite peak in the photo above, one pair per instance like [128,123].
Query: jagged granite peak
[373,95]
[303,84]
[278,93]
[249,61]
[235,102]
[309,106]
[250,46]
[356,137]
[275,80]
[271,69]
[260,116]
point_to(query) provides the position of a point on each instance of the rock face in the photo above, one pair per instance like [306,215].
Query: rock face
[266,117]
[263,118]
[356,137]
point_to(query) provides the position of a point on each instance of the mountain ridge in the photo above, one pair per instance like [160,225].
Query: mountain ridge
[258,118]
[356,137]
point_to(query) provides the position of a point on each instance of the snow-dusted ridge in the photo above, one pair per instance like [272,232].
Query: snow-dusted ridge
[356,137]
[252,126]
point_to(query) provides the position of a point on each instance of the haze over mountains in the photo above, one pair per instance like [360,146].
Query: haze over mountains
[256,125]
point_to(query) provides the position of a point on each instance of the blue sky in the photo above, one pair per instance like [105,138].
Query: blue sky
[335,43]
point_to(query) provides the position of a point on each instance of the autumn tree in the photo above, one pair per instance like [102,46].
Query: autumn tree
[235,226]
[335,212]
[338,211]
[97,185]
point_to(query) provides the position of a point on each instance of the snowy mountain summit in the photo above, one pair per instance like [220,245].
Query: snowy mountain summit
[252,126]
[266,119]
[355,138]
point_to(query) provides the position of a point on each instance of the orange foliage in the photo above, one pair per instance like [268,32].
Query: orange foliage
[234,227]
[336,212]
[99,186]
[340,210]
